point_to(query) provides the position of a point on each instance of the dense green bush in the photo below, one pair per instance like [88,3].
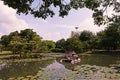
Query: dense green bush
[58,50]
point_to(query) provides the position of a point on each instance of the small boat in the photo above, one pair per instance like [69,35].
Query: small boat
[71,57]
[65,60]
[70,60]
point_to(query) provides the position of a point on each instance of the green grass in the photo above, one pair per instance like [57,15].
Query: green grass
[7,57]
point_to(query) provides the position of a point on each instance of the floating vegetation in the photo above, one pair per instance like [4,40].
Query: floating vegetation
[49,68]
[83,72]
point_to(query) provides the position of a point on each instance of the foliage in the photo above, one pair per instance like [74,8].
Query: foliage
[1,47]
[73,44]
[38,69]
[60,43]
[45,8]
[16,47]
[86,37]
[82,72]
[56,50]
[47,45]
[5,41]
[110,40]
[23,43]
[27,41]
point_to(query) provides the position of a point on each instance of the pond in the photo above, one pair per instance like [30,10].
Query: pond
[91,67]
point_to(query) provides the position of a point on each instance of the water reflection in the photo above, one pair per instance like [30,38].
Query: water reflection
[55,66]
[99,59]
[58,71]
[2,66]
[22,69]
[96,59]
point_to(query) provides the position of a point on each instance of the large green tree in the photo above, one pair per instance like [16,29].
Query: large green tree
[17,47]
[5,40]
[60,43]
[47,46]
[24,42]
[111,38]
[45,8]
[28,34]
[59,46]
[73,44]
[87,38]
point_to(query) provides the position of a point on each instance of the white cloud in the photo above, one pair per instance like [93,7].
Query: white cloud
[51,31]
[52,36]
[8,20]
[88,24]
[118,0]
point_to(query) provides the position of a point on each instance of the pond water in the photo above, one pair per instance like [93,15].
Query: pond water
[52,69]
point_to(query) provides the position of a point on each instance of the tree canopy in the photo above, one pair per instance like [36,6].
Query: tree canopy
[25,41]
[86,36]
[45,8]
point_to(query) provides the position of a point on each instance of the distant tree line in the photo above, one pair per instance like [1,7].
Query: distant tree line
[27,41]
[108,39]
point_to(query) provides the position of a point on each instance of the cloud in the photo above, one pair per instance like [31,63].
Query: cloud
[88,24]
[56,31]
[8,20]
[52,36]
[51,31]
[118,0]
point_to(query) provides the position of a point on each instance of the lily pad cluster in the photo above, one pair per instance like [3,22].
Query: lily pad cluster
[88,72]
[83,72]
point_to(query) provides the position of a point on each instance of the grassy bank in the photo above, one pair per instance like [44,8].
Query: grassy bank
[7,56]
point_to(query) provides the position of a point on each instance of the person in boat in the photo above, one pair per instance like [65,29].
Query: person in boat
[71,56]
[75,58]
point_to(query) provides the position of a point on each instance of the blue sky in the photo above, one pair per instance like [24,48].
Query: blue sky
[54,28]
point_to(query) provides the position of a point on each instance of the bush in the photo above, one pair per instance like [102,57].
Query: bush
[58,50]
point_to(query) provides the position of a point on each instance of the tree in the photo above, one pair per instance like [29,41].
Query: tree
[47,45]
[36,43]
[45,8]
[60,43]
[59,46]
[111,38]
[17,47]
[1,47]
[27,34]
[86,37]
[14,36]
[5,40]
[23,43]
[73,44]
[95,43]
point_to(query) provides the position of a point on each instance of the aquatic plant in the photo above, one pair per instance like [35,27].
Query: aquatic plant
[83,72]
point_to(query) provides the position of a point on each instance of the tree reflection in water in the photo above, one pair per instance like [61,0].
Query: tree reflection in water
[55,66]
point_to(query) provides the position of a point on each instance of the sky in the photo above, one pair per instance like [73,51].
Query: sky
[54,28]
